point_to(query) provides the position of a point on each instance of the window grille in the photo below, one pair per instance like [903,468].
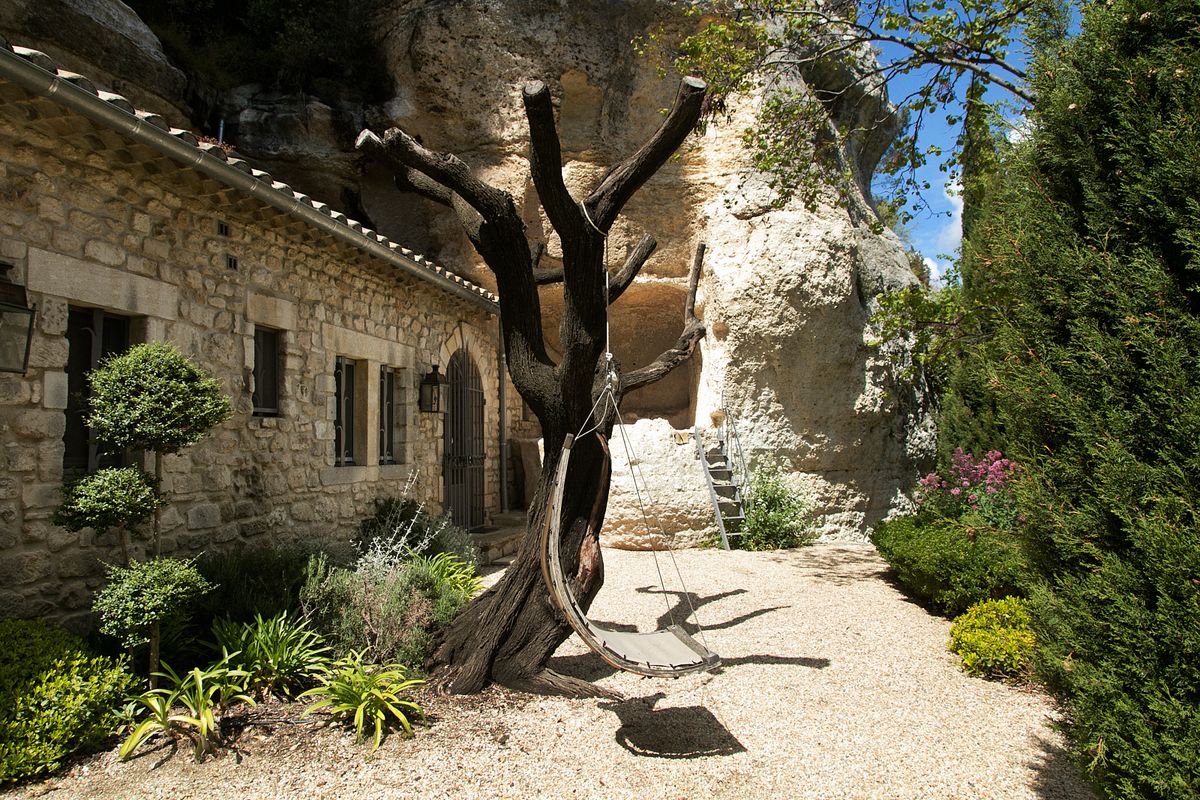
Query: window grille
[343,425]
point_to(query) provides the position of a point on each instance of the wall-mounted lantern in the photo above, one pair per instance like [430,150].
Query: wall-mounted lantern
[435,392]
[16,324]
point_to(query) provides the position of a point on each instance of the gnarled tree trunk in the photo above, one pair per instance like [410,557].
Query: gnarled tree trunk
[508,633]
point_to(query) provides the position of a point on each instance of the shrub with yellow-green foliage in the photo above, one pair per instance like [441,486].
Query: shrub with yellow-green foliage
[56,697]
[994,638]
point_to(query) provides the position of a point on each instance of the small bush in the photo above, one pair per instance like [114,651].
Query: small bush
[981,489]
[389,609]
[400,525]
[56,698]
[775,516]
[250,582]
[952,565]
[994,638]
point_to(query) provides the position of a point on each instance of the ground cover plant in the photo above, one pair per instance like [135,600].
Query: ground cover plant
[366,694]
[190,705]
[278,655]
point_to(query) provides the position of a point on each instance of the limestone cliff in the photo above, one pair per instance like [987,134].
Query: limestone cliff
[786,292]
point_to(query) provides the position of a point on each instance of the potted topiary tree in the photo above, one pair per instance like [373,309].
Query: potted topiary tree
[153,398]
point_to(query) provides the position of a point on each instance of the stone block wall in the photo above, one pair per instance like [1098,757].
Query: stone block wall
[92,220]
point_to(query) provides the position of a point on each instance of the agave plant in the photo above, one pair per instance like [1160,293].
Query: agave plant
[277,654]
[190,706]
[367,694]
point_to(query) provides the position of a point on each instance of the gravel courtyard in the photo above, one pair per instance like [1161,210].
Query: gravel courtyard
[833,685]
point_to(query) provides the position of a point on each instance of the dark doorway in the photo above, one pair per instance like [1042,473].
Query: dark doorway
[462,468]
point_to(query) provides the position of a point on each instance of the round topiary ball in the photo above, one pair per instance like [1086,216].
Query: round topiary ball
[152,397]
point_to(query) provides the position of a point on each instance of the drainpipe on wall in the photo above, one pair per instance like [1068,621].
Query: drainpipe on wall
[503,419]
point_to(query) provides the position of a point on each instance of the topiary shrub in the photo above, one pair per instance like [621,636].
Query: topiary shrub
[137,599]
[153,398]
[994,638]
[775,515]
[951,565]
[56,698]
[118,498]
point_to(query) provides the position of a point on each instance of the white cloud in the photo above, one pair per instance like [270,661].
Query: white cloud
[949,237]
[935,270]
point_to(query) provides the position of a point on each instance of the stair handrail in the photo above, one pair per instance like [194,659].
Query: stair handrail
[737,460]
[712,489]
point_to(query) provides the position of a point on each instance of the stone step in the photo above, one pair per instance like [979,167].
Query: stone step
[727,490]
[509,519]
[497,544]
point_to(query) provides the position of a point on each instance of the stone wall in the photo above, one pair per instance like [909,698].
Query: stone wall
[92,220]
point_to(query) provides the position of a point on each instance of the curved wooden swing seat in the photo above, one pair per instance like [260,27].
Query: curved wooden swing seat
[668,652]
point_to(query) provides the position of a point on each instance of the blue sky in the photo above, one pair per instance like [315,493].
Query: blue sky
[936,231]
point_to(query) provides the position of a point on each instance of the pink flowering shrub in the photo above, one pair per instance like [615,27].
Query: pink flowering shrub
[973,487]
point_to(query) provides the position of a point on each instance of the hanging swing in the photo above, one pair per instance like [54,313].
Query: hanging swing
[667,652]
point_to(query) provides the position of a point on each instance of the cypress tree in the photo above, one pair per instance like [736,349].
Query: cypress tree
[1088,245]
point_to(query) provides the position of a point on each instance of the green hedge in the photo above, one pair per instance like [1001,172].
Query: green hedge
[953,566]
[56,698]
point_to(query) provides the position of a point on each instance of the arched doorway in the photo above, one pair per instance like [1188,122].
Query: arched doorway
[463,451]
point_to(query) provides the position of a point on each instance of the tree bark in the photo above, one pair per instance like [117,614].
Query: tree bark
[508,633]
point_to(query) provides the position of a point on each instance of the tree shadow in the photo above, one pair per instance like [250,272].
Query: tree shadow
[688,732]
[841,565]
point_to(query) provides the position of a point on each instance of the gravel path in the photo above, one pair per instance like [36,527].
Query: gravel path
[833,686]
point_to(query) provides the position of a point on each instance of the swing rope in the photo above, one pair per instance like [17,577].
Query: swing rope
[608,398]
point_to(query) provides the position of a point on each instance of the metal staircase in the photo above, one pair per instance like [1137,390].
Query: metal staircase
[725,471]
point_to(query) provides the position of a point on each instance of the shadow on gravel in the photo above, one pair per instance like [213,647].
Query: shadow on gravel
[787,661]
[1057,777]
[689,732]
[839,565]
[681,612]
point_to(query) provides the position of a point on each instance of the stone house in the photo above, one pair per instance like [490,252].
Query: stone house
[122,229]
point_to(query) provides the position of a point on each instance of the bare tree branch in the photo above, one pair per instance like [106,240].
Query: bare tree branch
[491,221]
[693,332]
[445,169]
[633,265]
[545,161]
[617,284]
[606,202]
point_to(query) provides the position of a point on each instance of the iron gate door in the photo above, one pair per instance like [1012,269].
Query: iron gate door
[463,443]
